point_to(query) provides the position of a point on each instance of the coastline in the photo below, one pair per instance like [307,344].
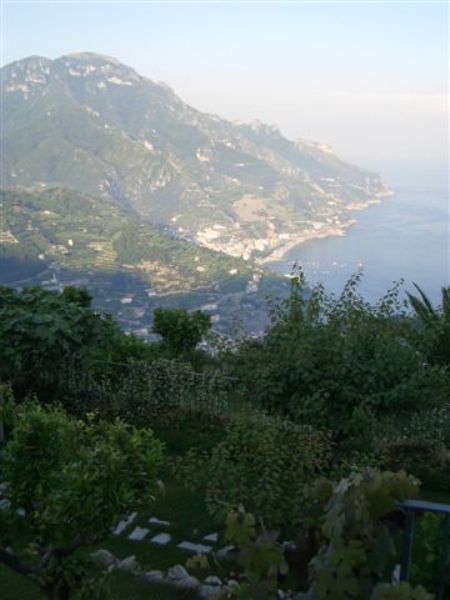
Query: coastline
[279,253]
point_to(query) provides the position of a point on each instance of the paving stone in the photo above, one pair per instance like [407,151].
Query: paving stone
[128,564]
[120,528]
[225,552]
[153,576]
[196,548]
[213,580]
[162,539]
[187,583]
[233,585]
[212,537]
[177,572]
[210,592]
[103,557]
[138,533]
[155,521]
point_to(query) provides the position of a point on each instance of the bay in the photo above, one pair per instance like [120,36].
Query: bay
[405,237]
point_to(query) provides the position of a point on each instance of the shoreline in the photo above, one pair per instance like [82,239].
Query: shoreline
[278,254]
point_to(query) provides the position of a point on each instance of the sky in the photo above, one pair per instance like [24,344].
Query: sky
[370,78]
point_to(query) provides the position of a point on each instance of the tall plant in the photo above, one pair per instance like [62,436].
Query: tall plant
[68,483]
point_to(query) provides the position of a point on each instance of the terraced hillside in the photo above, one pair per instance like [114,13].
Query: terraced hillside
[83,233]
[57,237]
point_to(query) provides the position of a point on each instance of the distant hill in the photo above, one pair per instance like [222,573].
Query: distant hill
[56,237]
[81,233]
[89,123]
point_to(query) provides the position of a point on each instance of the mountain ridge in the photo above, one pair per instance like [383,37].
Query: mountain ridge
[87,122]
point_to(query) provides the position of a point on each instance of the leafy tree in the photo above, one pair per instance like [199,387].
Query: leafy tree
[68,483]
[42,331]
[180,330]
[77,295]
[334,361]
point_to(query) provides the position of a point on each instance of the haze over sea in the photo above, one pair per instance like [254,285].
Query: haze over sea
[406,236]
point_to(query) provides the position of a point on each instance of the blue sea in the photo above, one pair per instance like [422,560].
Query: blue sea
[405,237]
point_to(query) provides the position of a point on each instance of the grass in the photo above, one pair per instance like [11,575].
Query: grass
[123,586]
[186,512]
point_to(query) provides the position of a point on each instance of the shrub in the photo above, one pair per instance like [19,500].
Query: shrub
[263,462]
[402,591]
[419,445]
[325,358]
[358,551]
[429,551]
[259,554]
[68,483]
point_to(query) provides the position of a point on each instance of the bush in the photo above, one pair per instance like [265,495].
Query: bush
[429,551]
[183,407]
[325,358]
[358,552]
[141,392]
[68,483]
[420,445]
[402,591]
[263,462]
[43,331]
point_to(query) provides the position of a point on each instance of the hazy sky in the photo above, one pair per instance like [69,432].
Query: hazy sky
[369,78]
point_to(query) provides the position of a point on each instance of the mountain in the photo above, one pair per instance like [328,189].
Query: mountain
[89,123]
[56,237]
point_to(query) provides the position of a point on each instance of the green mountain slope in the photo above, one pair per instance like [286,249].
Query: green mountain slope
[82,233]
[87,122]
[54,237]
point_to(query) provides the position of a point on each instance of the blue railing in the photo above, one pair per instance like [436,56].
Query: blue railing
[411,508]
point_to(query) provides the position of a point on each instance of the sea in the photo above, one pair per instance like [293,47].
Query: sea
[405,237]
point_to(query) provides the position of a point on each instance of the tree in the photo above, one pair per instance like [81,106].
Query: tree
[180,330]
[42,331]
[68,484]
[337,361]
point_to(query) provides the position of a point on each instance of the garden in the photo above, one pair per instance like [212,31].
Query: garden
[208,467]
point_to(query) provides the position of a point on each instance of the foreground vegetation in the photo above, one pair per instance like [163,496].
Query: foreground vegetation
[314,431]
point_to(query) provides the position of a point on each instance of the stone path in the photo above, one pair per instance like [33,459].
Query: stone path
[162,539]
[194,548]
[138,533]
[124,524]
[158,532]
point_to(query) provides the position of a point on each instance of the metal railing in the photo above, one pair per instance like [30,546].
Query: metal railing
[411,508]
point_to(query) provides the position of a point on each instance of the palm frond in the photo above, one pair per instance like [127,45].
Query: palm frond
[422,306]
